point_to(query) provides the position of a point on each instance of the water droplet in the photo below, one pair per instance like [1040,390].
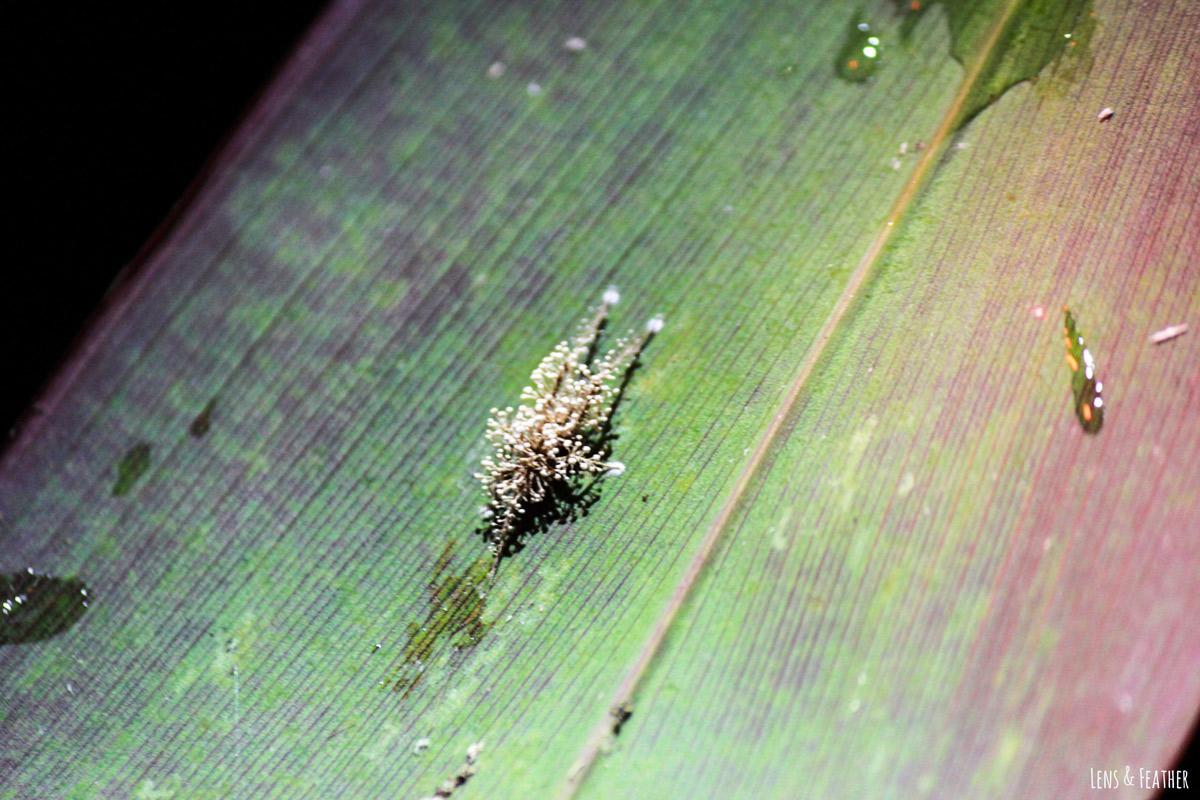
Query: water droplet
[1085,388]
[860,56]
[34,606]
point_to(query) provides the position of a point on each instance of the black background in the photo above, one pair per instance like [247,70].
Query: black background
[114,110]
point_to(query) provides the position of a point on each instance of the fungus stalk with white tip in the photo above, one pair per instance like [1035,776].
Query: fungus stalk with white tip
[558,431]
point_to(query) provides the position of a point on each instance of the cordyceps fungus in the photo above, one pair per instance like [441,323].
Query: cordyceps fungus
[560,430]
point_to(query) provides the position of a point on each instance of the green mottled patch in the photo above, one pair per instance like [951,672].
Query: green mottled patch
[132,466]
[456,606]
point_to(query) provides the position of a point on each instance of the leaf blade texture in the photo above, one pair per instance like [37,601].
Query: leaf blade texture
[933,578]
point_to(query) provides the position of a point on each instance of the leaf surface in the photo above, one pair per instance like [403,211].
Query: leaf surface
[921,571]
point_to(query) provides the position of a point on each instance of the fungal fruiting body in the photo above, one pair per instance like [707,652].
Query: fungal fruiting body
[558,431]
[1085,387]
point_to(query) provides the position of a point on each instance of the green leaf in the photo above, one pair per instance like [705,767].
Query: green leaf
[862,545]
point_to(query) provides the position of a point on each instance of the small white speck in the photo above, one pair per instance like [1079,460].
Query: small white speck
[534,90]
[1125,703]
[1168,333]
[728,209]
[496,69]
[862,678]
[961,145]
[895,163]
[615,468]
[903,148]
[485,512]
[420,745]
[655,324]
[575,44]
[611,296]
[1047,543]
[1105,114]
[855,705]
[70,688]
[473,752]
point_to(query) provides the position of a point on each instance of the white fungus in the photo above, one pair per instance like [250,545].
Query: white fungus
[557,432]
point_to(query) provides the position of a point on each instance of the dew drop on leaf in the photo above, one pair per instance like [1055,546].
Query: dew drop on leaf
[859,57]
[34,606]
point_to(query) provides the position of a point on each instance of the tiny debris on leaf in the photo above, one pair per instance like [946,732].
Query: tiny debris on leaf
[1168,333]
[468,769]
[1105,114]
[496,69]
[575,44]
